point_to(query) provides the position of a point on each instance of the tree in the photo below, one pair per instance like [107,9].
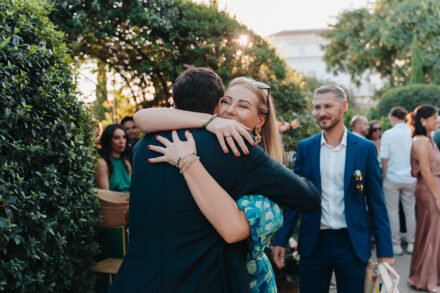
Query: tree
[99,110]
[416,66]
[408,97]
[380,39]
[148,42]
[47,205]
[130,36]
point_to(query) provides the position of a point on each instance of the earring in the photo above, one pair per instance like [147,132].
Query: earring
[257,134]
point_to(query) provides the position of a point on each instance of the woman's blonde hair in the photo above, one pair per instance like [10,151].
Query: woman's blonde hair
[270,137]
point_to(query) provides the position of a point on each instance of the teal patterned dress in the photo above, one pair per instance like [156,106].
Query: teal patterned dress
[265,218]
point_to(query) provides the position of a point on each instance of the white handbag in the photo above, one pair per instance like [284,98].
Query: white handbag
[381,278]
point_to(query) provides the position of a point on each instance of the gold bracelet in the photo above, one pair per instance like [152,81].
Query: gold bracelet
[189,164]
[209,120]
[181,157]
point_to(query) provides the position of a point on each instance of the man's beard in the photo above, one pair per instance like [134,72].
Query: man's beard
[330,124]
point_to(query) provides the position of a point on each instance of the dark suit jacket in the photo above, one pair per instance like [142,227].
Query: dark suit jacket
[360,155]
[172,247]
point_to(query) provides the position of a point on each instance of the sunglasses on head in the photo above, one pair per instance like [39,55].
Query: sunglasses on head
[263,86]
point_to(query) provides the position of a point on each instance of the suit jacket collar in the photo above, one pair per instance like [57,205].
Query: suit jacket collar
[316,149]
[350,158]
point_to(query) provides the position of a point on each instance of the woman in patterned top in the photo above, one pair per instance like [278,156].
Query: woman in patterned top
[247,105]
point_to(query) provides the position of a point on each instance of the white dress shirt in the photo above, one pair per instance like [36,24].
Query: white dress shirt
[396,147]
[332,168]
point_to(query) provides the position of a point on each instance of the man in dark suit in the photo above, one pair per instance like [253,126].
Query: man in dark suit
[345,169]
[172,247]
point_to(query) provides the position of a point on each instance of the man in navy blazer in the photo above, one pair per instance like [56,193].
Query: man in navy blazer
[345,169]
[172,246]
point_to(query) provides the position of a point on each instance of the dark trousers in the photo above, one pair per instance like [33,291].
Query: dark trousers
[333,252]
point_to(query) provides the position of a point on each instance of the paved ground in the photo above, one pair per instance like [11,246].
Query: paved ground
[402,265]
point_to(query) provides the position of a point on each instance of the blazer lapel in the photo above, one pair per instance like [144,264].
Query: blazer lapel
[350,157]
[316,153]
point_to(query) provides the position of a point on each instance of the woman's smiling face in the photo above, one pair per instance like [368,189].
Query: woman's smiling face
[241,104]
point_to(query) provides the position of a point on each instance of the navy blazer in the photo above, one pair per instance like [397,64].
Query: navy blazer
[172,247]
[361,155]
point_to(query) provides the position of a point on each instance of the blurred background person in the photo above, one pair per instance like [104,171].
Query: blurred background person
[114,170]
[436,134]
[425,162]
[398,184]
[375,133]
[132,131]
[132,134]
[359,125]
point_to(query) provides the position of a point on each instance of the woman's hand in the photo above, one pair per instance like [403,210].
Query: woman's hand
[173,150]
[230,130]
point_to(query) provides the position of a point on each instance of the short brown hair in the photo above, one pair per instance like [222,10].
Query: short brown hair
[198,89]
[399,112]
[355,120]
[337,90]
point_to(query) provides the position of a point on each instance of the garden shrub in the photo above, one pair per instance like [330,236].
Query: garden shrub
[47,207]
[408,97]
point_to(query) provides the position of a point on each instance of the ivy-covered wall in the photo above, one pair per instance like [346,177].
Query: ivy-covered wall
[47,207]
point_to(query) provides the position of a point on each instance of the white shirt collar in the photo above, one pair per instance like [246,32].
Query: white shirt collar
[400,124]
[342,143]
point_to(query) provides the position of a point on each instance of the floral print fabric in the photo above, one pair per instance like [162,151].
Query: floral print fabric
[265,218]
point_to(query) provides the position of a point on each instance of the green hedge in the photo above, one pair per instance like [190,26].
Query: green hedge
[47,206]
[408,97]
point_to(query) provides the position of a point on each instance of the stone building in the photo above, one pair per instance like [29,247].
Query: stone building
[302,50]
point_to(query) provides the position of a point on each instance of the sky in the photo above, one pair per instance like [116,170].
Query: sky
[267,17]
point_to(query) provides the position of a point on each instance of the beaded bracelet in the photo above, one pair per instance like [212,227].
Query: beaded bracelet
[188,163]
[185,160]
[181,157]
[209,120]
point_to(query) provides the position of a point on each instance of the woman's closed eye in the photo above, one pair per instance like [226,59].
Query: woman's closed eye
[225,101]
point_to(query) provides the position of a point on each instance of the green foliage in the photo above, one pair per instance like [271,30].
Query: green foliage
[149,42]
[99,110]
[47,206]
[307,127]
[408,97]
[380,39]
[118,109]
[416,65]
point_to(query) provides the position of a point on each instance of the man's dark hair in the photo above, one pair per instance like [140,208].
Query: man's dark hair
[415,118]
[399,112]
[126,118]
[198,89]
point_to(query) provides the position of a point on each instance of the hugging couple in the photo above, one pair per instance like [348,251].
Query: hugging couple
[204,202]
